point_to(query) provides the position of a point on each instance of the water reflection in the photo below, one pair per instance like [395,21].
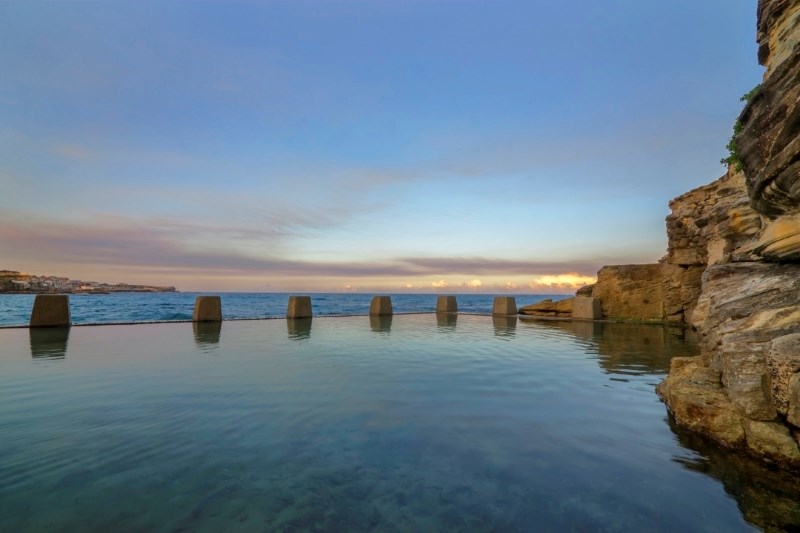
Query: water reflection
[631,349]
[206,334]
[298,328]
[504,326]
[380,324]
[446,321]
[49,343]
[767,498]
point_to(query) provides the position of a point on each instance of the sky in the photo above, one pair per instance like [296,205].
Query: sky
[393,146]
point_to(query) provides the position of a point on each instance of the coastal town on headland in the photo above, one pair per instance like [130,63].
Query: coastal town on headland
[13,282]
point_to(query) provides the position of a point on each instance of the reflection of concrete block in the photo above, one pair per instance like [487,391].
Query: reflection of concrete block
[381,306]
[586,308]
[207,309]
[446,304]
[299,307]
[50,310]
[504,305]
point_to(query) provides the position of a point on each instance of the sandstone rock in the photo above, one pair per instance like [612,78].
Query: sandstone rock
[744,306]
[772,441]
[780,240]
[769,141]
[712,224]
[776,36]
[694,396]
[558,308]
[630,292]
[748,312]
[783,362]
[793,400]
[655,292]
[586,290]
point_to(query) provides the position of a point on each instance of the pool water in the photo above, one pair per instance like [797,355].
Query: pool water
[411,423]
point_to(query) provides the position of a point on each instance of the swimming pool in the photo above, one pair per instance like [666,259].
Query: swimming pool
[407,423]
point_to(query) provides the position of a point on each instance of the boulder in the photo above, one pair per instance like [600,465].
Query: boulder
[694,396]
[557,308]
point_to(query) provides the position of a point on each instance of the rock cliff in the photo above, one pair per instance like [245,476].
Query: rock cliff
[743,230]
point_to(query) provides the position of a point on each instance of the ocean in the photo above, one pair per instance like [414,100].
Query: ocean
[15,309]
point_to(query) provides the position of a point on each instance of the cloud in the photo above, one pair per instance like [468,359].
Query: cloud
[560,282]
[441,284]
[480,265]
[474,284]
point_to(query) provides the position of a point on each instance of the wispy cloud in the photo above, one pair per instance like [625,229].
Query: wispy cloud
[169,244]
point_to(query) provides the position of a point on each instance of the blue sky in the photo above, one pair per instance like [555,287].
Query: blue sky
[393,146]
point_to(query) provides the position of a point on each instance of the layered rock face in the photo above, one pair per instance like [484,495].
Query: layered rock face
[659,292]
[744,390]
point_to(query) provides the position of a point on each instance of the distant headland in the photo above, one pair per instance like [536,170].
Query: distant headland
[13,282]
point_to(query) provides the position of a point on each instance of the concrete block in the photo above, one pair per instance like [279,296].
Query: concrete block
[299,307]
[504,305]
[586,308]
[381,306]
[446,304]
[207,309]
[50,310]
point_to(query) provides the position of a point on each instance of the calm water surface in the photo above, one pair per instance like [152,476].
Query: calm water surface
[415,423]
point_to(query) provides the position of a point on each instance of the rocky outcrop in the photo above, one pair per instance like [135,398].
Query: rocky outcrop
[658,292]
[713,224]
[744,390]
[769,141]
[558,308]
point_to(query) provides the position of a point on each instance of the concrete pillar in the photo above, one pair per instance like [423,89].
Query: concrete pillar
[299,307]
[381,306]
[586,308]
[504,305]
[446,304]
[50,310]
[207,309]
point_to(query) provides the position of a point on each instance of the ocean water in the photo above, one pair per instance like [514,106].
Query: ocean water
[15,309]
[405,423]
